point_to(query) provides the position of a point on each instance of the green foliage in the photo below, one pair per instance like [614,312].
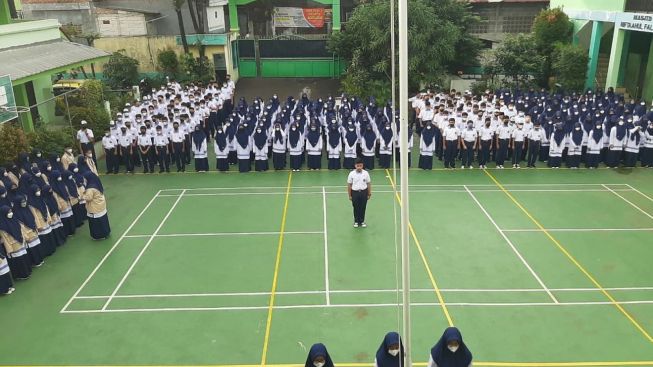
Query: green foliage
[121,71]
[550,27]
[91,92]
[432,40]
[168,62]
[196,69]
[51,141]
[97,118]
[570,66]
[12,142]
[515,60]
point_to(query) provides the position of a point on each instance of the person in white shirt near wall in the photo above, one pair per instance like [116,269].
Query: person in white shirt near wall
[359,188]
[469,144]
[517,138]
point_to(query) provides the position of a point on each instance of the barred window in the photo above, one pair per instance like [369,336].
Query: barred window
[517,24]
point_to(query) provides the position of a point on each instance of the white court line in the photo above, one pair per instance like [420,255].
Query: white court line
[106,256]
[219,234]
[629,202]
[386,185]
[122,281]
[639,192]
[326,250]
[341,192]
[578,230]
[367,291]
[553,298]
[362,305]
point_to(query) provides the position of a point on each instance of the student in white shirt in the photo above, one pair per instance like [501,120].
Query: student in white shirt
[469,138]
[451,142]
[86,139]
[359,188]
[144,143]
[517,138]
[502,142]
[535,137]
[486,136]
[161,142]
[178,140]
[126,142]
[110,145]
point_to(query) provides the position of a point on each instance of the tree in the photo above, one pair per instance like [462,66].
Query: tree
[551,27]
[365,44]
[12,142]
[515,60]
[570,67]
[168,62]
[121,71]
[180,19]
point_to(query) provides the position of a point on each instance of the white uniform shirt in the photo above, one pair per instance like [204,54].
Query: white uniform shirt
[451,133]
[85,137]
[109,142]
[358,180]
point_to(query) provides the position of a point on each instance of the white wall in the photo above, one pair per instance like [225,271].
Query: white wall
[121,23]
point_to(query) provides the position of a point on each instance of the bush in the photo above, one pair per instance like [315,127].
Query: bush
[196,69]
[49,141]
[12,142]
[121,71]
[570,67]
[168,62]
[97,118]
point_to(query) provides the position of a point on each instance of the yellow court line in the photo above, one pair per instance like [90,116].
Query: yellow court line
[572,259]
[417,364]
[421,254]
[268,325]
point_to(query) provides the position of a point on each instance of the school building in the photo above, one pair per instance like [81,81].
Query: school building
[618,35]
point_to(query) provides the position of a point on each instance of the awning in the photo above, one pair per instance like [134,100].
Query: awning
[23,62]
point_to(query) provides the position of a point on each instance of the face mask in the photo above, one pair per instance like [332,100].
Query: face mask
[577,128]
[621,123]
[90,155]
[258,130]
[428,127]
[393,352]
[294,128]
[38,174]
[49,168]
[11,215]
[453,349]
[38,193]
[6,174]
[76,170]
[38,154]
[58,159]
[277,129]
[3,195]
[69,151]
[23,204]
[318,364]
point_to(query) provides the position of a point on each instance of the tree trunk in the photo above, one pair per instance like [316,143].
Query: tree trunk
[191,8]
[182,32]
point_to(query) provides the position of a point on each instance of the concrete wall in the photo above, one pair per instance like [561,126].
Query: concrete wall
[144,49]
[25,33]
[166,25]
[120,23]
[608,5]
[76,13]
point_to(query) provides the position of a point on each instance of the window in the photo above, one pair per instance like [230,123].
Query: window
[517,24]
[106,22]
[641,6]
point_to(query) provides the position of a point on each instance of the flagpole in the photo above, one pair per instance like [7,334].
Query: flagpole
[403,159]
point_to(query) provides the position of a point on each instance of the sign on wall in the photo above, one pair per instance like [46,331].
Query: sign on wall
[635,22]
[298,17]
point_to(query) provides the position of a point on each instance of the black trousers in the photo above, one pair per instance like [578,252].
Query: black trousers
[468,156]
[162,157]
[517,151]
[450,153]
[359,202]
[533,152]
[147,159]
[128,160]
[111,160]
[179,156]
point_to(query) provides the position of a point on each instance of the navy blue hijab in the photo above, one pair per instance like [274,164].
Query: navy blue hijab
[260,138]
[577,135]
[198,138]
[351,135]
[443,357]
[82,165]
[313,135]
[621,130]
[37,202]
[293,136]
[5,180]
[369,136]
[4,200]
[23,215]
[428,134]
[334,135]
[48,197]
[11,226]
[387,133]
[559,133]
[383,358]
[242,136]
[221,139]
[597,132]
[93,181]
[318,350]
[69,181]
[59,186]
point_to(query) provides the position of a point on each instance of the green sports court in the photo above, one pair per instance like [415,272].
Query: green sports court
[536,267]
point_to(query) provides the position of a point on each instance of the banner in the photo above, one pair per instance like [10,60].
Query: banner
[635,22]
[298,17]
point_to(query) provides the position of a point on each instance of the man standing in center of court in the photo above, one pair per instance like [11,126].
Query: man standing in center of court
[360,190]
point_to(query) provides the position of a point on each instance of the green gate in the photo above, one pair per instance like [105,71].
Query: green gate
[287,58]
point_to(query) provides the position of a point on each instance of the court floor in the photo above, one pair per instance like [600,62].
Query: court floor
[537,268]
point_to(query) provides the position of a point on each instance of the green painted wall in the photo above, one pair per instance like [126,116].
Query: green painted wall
[20,93]
[304,68]
[608,5]
[647,92]
[43,92]
[247,68]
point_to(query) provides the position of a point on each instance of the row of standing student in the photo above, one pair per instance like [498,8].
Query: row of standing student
[40,210]
[449,351]
[626,143]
